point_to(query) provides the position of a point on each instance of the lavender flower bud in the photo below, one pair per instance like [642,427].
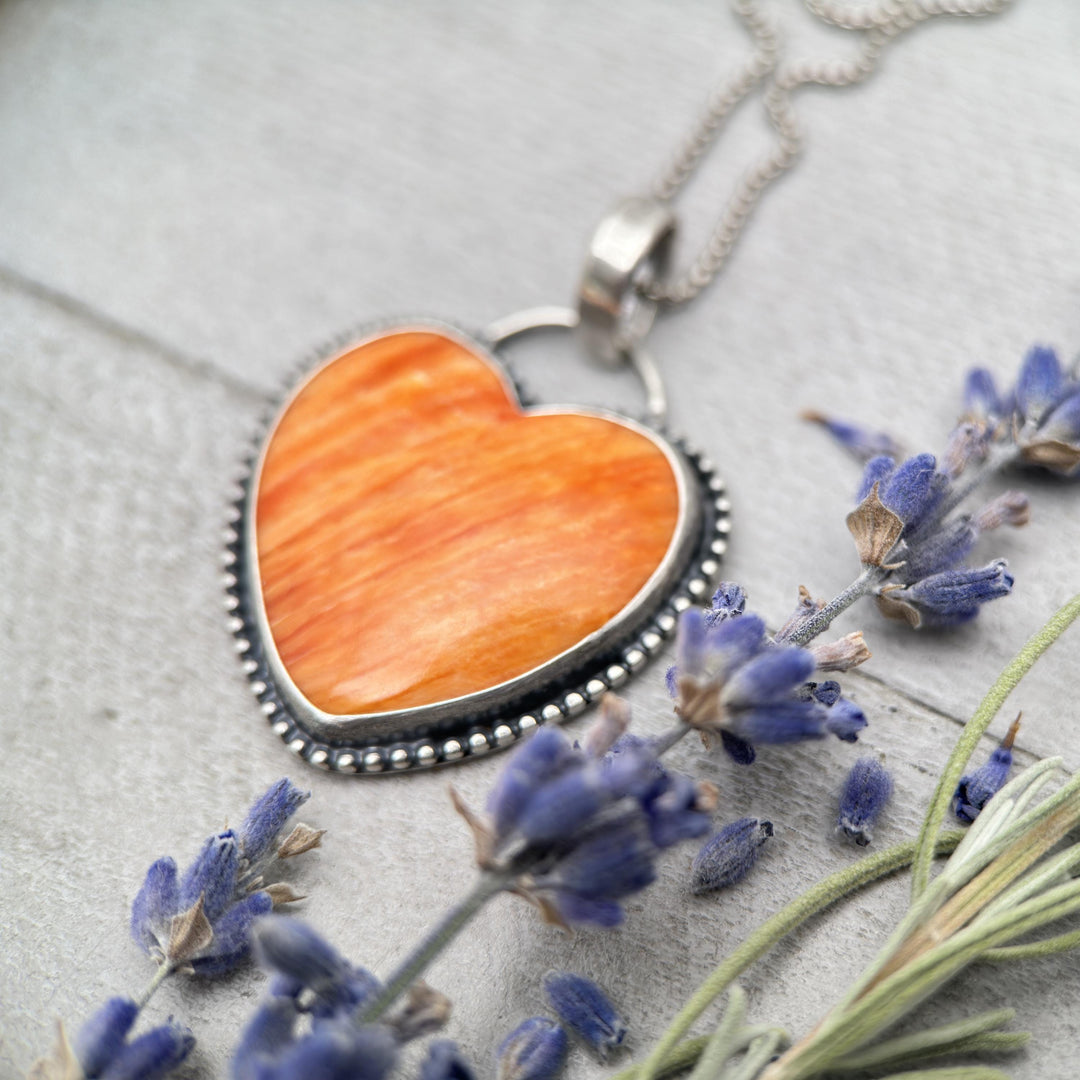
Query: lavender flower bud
[781,722]
[954,596]
[584,1008]
[913,490]
[1009,508]
[102,1037]
[772,676]
[292,948]
[1039,384]
[444,1061]
[266,819]
[728,601]
[968,443]
[268,1033]
[615,861]
[863,443]
[542,756]
[152,1055]
[867,789]
[976,789]
[739,750]
[730,855]
[157,901]
[232,935]
[674,810]
[877,471]
[845,720]
[733,643]
[212,875]
[337,1050]
[690,642]
[942,549]
[827,692]
[535,1050]
[1063,422]
[981,398]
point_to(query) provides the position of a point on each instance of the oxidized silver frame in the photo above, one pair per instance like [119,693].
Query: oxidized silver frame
[469,726]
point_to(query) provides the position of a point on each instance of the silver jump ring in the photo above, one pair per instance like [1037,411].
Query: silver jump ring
[631,352]
[627,255]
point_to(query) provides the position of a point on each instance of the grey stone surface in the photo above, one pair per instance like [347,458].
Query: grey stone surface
[195,195]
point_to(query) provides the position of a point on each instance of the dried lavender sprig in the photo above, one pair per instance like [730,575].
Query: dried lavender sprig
[572,829]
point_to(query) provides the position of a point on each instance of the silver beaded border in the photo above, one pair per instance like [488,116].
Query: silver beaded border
[478,739]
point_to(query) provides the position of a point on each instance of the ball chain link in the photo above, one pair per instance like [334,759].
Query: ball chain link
[879,24]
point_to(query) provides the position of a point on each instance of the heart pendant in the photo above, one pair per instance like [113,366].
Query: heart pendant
[425,569]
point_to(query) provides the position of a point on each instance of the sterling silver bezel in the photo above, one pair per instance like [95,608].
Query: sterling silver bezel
[494,718]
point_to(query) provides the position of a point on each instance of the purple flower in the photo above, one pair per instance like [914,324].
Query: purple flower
[577,829]
[534,1050]
[732,680]
[949,598]
[728,601]
[976,789]
[585,1009]
[730,855]
[102,1048]
[152,1055]
[103,1036]
[290,948]
[1040,384]
[267,818]
[981,398]
[913,491]
[310,1026]
[444,1061]
[334,1049]
[1040,419]
[866,790]
[861,442]
[203,918]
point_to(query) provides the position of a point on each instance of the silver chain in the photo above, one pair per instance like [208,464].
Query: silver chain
[878,24]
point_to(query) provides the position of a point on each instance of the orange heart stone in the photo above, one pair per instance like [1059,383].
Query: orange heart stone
[420,536]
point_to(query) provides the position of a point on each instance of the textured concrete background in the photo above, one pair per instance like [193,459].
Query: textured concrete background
[193,195]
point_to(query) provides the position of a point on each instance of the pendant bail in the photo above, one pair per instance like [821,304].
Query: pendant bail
[628,250]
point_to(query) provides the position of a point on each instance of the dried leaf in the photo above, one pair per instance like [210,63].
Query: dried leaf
[61,1064]
[612,722]
[875,528]
[302,838]
[425,1010]
[483,837]
[1061,457]
[549,913]
[892,607]
[842,655]
[708,797]
[189,933]
[283,893]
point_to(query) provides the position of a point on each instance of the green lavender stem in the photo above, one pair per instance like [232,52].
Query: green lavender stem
[833,888]
[452,923]
[164,970]
[973,732]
